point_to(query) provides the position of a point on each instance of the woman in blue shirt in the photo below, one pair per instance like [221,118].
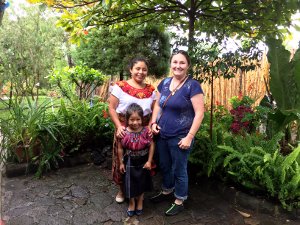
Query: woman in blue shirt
[177,117]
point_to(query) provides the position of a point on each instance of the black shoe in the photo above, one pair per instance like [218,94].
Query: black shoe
[138,212]
[174,209]
[130,213]
[161,197]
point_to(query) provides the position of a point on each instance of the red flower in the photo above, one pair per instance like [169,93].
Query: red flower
[235,127]
[85,32]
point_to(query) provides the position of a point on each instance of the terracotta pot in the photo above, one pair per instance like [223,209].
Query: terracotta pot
[24,154]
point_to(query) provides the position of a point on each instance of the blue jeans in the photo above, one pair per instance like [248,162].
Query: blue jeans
[173,165]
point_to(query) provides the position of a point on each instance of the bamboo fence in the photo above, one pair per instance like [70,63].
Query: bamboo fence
[250,83]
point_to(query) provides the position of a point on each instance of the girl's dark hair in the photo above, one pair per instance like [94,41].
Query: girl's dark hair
[182,52]
[133,108]
[136,60]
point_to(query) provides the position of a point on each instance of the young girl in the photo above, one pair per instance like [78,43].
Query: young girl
[135,152]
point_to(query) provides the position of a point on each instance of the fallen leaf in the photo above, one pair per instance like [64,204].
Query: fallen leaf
[247,215]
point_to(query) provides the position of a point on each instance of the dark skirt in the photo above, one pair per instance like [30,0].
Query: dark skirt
[116,174]
[136,179]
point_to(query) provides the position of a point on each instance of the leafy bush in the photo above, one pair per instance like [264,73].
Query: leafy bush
[44,137]
[250,160]
[256,164]
[22,129]
[83,126]
[242,115]
[83,80]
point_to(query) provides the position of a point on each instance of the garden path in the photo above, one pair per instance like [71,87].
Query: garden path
[85,195]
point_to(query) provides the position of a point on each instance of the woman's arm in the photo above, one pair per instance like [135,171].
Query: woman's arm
[198,105]
[113,104]
[156,109]
[120,157]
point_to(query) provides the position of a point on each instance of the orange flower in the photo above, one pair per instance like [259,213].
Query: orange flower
[85,32]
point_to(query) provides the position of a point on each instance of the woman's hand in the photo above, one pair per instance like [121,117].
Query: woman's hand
[122,168]
[147,165]
[120,132]
[150,133]
[185,143]
[155,128]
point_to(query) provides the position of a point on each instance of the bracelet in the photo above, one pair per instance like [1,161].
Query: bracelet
[151,124]
[191,134]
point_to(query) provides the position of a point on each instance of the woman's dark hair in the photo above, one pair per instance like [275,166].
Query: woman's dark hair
[133,108]
[136,60]
[182,52]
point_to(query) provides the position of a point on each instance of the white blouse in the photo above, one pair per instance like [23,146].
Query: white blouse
[126,99]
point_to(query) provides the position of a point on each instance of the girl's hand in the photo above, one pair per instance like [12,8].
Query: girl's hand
[185,143]
[121,132]
[122,168]
[147,165]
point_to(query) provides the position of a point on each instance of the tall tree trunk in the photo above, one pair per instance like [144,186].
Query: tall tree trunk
[121,75]
[69,57]
[192,19]
[10,94]
[70,61]
[211,106]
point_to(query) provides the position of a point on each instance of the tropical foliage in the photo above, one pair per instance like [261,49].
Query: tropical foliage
[285,77]
[284,87]
[34,133]
[218,18]
[249,160]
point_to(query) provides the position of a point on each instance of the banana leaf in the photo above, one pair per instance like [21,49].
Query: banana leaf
[285,77]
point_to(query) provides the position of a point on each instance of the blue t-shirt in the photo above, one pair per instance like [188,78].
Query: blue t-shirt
[178,113]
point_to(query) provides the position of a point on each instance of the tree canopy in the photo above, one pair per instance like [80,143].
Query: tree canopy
[111,50]
[30,45]
[253,18]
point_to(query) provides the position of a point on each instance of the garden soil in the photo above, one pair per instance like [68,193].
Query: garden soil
[85,195]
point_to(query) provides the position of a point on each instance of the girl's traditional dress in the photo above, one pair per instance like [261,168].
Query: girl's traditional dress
[128,95]
[137,180]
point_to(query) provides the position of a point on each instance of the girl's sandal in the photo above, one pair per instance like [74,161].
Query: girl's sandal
[130,213]
[139,212]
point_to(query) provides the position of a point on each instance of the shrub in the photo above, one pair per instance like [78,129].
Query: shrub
[243,115]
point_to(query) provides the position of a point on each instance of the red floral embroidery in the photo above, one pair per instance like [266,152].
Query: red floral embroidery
[105,114]
[135,92]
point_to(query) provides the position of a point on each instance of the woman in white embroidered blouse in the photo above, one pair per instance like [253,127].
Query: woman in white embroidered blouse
[124,93]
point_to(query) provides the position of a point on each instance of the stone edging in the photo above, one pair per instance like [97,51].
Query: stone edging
[19,169]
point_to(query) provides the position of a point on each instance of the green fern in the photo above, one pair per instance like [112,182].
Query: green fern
[288,163]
